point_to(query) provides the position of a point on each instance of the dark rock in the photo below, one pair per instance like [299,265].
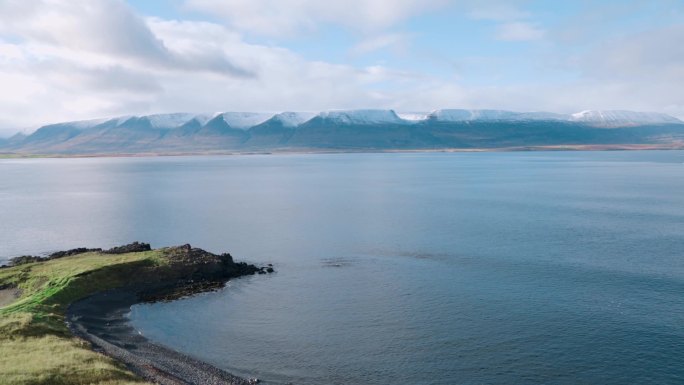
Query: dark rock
[134,247]
[270,269]
[24,259]
[227,258]
[68,253]
[131,248]
[193,270]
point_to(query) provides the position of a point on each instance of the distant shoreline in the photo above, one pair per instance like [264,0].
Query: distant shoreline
[555,148]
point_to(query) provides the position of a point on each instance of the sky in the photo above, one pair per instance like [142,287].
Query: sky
[64,60]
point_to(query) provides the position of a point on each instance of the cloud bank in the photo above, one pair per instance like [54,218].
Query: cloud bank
[67,60]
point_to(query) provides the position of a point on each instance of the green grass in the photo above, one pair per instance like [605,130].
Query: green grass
[35,345]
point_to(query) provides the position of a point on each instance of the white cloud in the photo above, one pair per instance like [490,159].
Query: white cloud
[519,31]
[395,41]
[80,71]
[652,55]
[513,24]
[65,60]
[290,17]
[99,31]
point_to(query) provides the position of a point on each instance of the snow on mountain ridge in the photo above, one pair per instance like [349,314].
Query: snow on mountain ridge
[596,118]
[362,116]
[460,115]
[619,118]
[293,119]
[245,120]
[176,119]
[413,116]
[85,124]
[169,120]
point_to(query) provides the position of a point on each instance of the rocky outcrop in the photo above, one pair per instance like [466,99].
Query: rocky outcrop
[176,272]
[194,270]
[24,259]
[68,253]
[134,247]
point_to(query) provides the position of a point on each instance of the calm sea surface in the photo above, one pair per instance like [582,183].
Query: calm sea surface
[403,269]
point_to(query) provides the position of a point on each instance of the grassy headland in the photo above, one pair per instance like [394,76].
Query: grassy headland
[36,346]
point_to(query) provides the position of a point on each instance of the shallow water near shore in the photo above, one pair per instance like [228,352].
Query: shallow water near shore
[464,268]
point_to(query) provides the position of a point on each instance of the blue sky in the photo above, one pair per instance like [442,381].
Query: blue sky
[79,59]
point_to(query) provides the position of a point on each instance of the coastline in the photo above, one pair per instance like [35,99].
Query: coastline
[102,320]
[568,147]
[66,317]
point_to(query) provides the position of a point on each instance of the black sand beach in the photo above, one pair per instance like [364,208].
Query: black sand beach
[102,320]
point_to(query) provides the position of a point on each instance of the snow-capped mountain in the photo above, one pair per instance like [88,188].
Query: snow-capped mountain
[245,120]
[349,129]
[292,119]
[596,118]
[620,118]
[85,124]
[470,115]
[414,116]
[363,117]
[177,120]
[492,115]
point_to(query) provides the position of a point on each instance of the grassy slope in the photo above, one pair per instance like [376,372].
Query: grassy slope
[35,344]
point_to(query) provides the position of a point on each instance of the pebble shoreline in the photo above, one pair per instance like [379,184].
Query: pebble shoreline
[102,320]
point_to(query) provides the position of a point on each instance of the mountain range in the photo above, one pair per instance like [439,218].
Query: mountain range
[353,130]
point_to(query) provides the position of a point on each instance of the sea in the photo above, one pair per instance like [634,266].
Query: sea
[393,268]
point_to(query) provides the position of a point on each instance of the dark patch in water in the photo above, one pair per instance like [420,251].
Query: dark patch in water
[337,262]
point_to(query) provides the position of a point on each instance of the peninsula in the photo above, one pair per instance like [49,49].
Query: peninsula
[62,317]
